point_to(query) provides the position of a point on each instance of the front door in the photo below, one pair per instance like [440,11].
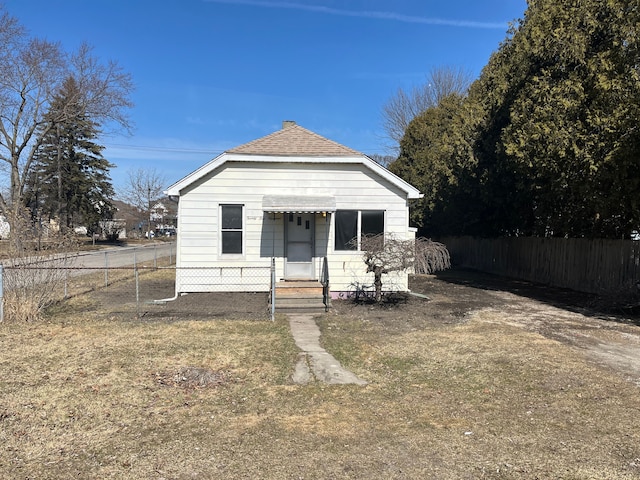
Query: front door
[299,233]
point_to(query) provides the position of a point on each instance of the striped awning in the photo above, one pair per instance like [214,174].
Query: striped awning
[298,204]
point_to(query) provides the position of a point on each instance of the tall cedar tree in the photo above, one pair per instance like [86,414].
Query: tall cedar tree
[560,138]
[70,180]
[548,136]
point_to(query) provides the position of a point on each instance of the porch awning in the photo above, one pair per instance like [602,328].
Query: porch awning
[298,204]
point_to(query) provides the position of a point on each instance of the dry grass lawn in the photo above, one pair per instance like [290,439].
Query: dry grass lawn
[451,395]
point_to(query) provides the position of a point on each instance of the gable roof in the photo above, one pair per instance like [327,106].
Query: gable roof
[293,144]
[294,140]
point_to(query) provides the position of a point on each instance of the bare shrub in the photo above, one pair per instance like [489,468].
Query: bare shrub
[34,271]
[430,256]
[383,254]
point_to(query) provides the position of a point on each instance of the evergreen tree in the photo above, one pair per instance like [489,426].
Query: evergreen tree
[70,181]
[562,106]
[550,131]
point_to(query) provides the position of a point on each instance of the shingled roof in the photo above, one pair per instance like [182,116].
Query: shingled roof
[293,140]
[293,144]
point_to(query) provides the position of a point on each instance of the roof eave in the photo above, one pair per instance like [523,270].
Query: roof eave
[176,188]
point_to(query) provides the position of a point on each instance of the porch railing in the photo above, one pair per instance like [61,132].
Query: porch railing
[324,280]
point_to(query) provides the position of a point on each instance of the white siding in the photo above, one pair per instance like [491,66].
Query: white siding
[354,187]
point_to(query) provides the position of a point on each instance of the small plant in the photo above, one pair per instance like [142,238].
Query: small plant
[359,293]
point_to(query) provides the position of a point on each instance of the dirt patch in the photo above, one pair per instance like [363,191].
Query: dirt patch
[211,306]
[614,342]
[121,300]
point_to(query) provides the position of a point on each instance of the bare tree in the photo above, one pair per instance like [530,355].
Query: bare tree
[32,72]
[404,106]
[383,254]
[142,188]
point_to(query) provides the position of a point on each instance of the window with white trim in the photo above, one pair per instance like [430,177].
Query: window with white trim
[231,229]
[353,224]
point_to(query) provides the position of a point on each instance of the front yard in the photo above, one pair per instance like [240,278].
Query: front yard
[473,383]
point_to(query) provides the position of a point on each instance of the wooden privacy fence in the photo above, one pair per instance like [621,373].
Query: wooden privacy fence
[586,265]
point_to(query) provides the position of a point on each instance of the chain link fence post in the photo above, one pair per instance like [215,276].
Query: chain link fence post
[137,293]
[106,269]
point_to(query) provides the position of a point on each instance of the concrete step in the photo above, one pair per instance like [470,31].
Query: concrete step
[300,308]
[299,300]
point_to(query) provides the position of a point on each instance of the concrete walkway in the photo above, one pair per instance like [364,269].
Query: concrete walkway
[314,363]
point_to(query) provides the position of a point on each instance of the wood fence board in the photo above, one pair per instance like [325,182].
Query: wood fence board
[588,265]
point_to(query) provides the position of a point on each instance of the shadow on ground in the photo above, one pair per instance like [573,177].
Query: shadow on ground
[612,308]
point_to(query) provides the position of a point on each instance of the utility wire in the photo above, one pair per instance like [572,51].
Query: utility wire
[159,149]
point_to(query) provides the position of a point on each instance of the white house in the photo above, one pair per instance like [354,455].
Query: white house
[293,196]
[158,212]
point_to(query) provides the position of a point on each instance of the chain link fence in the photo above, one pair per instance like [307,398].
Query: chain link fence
[140,284]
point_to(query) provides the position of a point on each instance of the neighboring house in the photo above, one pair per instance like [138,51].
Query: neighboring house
[5,228]
[294,196]
[159,213]
[162,216]
[163,219]
[114,229]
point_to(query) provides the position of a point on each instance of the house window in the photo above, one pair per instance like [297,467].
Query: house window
[231,228]
[372,222]
[346,229]
[353,224]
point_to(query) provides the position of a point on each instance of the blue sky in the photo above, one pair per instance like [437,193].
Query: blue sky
[213,74]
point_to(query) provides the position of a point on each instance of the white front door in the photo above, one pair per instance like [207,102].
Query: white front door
[299,234]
